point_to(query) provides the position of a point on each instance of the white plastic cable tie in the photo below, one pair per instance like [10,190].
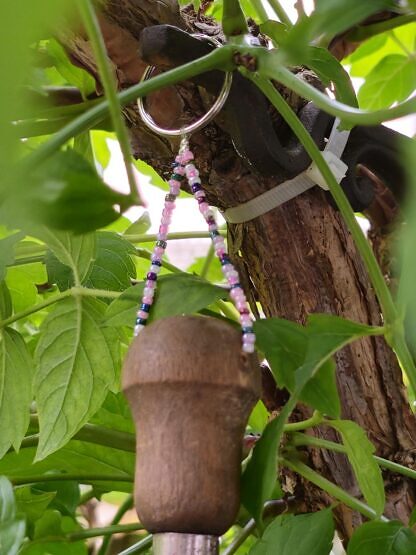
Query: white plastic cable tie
[294,187]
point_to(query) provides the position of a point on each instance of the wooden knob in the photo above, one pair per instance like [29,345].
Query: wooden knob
[191,390]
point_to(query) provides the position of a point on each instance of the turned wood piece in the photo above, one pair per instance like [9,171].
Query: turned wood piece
[191,390]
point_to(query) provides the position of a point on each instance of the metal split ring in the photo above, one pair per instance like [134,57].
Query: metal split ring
[201,122]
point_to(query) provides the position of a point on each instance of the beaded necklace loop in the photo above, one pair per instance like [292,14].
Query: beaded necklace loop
[183,166]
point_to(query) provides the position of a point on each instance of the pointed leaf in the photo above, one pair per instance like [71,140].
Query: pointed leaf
[7,251]
[16,374]
[6,306]
[382,538]
[284,345]
[76,366]
[141,225]
[113,268]
[307,534]
[360,454]
[176,294]
[12,526]
[77,252]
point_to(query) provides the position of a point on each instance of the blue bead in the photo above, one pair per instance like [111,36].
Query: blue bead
[145,307]
[235,285]
[177,177]
[247,330]
[156,262]
[225,260]
[140,322]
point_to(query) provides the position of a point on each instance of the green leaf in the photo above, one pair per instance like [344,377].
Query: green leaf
[12,526]
[392,80]
[65,495]
[113,268]
[73,74]
[260,475]
[329,19]
[328,69]
[77,457]
[67,194]
[76,366]
[176,294]
[50,536]
[76,252]
[140,226]
[7,251]
[21,282]
[16,372]
[152,174]
[284,345]
[276,30]
[6,307]
[259,417]
[382,538]
[100,146]
[360,454]
[306,534]
[32,503]
[327,334]
[115,414]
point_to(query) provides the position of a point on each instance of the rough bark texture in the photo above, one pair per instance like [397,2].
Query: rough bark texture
[297,259]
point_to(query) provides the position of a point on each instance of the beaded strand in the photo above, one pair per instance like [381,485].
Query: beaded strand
[183,166]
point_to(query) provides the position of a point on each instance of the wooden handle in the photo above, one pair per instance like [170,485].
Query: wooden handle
[191,390]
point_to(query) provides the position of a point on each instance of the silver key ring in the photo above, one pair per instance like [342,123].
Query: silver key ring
[201,122]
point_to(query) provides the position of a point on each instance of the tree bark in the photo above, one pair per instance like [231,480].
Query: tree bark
[297,259]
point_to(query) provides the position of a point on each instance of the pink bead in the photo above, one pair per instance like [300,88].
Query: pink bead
[199,194]
[174,183]
[158,251]
[212,227]
[209,214]
[148,292]
[163,228]
[235,293]
[218,239]
[220,252]
[187,156]
[241,305]
[248,348]
[147,299]
[245,321]
[233,280]
[180,170]
[166,220]
[203,207]
[143,314]
[231,273]
[249,338]
[193,180]
[162,236]
[150,284]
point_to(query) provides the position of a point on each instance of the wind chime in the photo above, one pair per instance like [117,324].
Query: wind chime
[191,382]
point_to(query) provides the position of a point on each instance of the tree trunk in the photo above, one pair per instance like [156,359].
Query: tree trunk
[297,259]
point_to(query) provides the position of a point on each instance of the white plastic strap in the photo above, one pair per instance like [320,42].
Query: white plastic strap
[293,187]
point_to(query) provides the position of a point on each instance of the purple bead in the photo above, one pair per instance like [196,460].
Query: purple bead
[151,276]
[196,187]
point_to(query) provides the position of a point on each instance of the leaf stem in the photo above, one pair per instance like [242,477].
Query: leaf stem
[219,58]
[81,478]
[107,531]
[394,327]
[364,32]
[92,26]
[150,238]
[245,533]
[260,10]
[314,420]
[124,507]
[77,291]
[299,439]
[270,66]
[331,488]
[280,12]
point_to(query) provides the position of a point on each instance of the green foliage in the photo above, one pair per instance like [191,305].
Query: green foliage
[16,371]
[12,525]
[306,534]
[80,250]
[360,454]
[77,363]
[382,538]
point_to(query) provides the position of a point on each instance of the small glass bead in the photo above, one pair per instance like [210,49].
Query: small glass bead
[247,329]
[151,276]
[161,244]
[140,321]
[156,262]
[148,292]
[248,348]
[154,268]
[145,307]
[196,187]
[138,328]
[249,338]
